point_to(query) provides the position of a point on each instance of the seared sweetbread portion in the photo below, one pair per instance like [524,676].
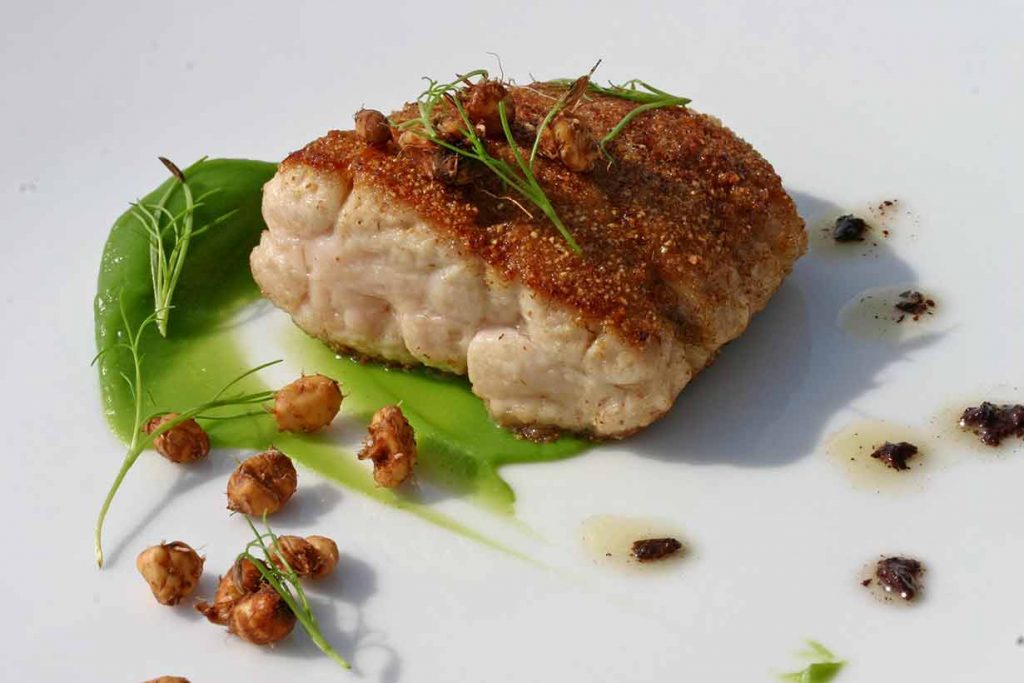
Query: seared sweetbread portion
[683,238]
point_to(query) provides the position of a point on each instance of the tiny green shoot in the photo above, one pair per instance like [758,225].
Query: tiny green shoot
[519,177]
[286,583]
[170,235]
[130,342]
[823,668]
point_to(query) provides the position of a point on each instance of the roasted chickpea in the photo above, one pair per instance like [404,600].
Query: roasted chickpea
[307,404]
[168,679]
[372,127]
[570,139]
[243,579]
[219,611]
[328,551]
[391,446]
[262,484]
[184,442]
[481,102]
[411,141]
[311,557]
[261,617]
[172,571]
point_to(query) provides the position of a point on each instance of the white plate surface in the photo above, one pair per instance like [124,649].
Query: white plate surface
[915,101]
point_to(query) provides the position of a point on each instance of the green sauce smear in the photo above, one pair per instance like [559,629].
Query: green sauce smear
[461,449]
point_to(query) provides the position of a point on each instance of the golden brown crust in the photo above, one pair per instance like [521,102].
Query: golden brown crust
[686,207]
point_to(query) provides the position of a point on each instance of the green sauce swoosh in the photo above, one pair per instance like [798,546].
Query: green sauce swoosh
[461,449]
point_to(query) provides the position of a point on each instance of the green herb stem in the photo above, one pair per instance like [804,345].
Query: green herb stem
[633,90]
[541,198]
[286,584]
[520,179]
[166,266]
[139,441]
[667,102]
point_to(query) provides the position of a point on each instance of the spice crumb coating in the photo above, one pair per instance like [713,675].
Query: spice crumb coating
[686,233]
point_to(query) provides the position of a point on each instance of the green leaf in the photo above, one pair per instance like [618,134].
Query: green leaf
[823,670]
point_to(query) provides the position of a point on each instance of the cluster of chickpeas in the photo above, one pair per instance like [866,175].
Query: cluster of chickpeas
[261,485]
[568,138]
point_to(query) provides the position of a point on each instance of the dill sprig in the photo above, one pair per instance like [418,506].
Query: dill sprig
[140,441]
[287,585]
[569,99]
[634,90]
[170,235]
[519,177]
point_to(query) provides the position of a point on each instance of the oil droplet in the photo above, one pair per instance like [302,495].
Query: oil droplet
[850,450]
[608,540]
[872,315]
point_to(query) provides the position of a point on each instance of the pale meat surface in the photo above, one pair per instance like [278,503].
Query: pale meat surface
[684,237]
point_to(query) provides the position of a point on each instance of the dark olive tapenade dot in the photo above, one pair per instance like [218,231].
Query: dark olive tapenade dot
[651,549]
[900,576]
[849,228]
[895,455]
[914,303]
[992,423]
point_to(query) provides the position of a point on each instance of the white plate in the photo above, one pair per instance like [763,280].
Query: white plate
[852,106]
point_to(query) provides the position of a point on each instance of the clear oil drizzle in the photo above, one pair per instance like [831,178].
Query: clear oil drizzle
[608,541]
[850,451]
[872,315]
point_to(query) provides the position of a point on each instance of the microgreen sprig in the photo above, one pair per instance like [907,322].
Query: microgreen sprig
[139,442]
[287,585]
[170,235]
[569,99]
[519,177]
[634,90]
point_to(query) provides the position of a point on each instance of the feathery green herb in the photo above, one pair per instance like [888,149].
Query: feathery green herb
[823,669]
[169,237]
[634,90]
[569,99]
[130,342]
[286,583]
[519,177]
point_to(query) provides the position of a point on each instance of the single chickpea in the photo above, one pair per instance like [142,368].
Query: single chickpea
[481,101]
[172,571]
[261,617]
[391,446]
[372,127]
[184,442]
[262,484]
[311,557]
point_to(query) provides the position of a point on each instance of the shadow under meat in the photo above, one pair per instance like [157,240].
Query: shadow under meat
[767,398]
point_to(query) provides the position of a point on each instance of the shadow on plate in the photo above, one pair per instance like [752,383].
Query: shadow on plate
[307,506]
[189,476]
[338,602]
[768,397]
